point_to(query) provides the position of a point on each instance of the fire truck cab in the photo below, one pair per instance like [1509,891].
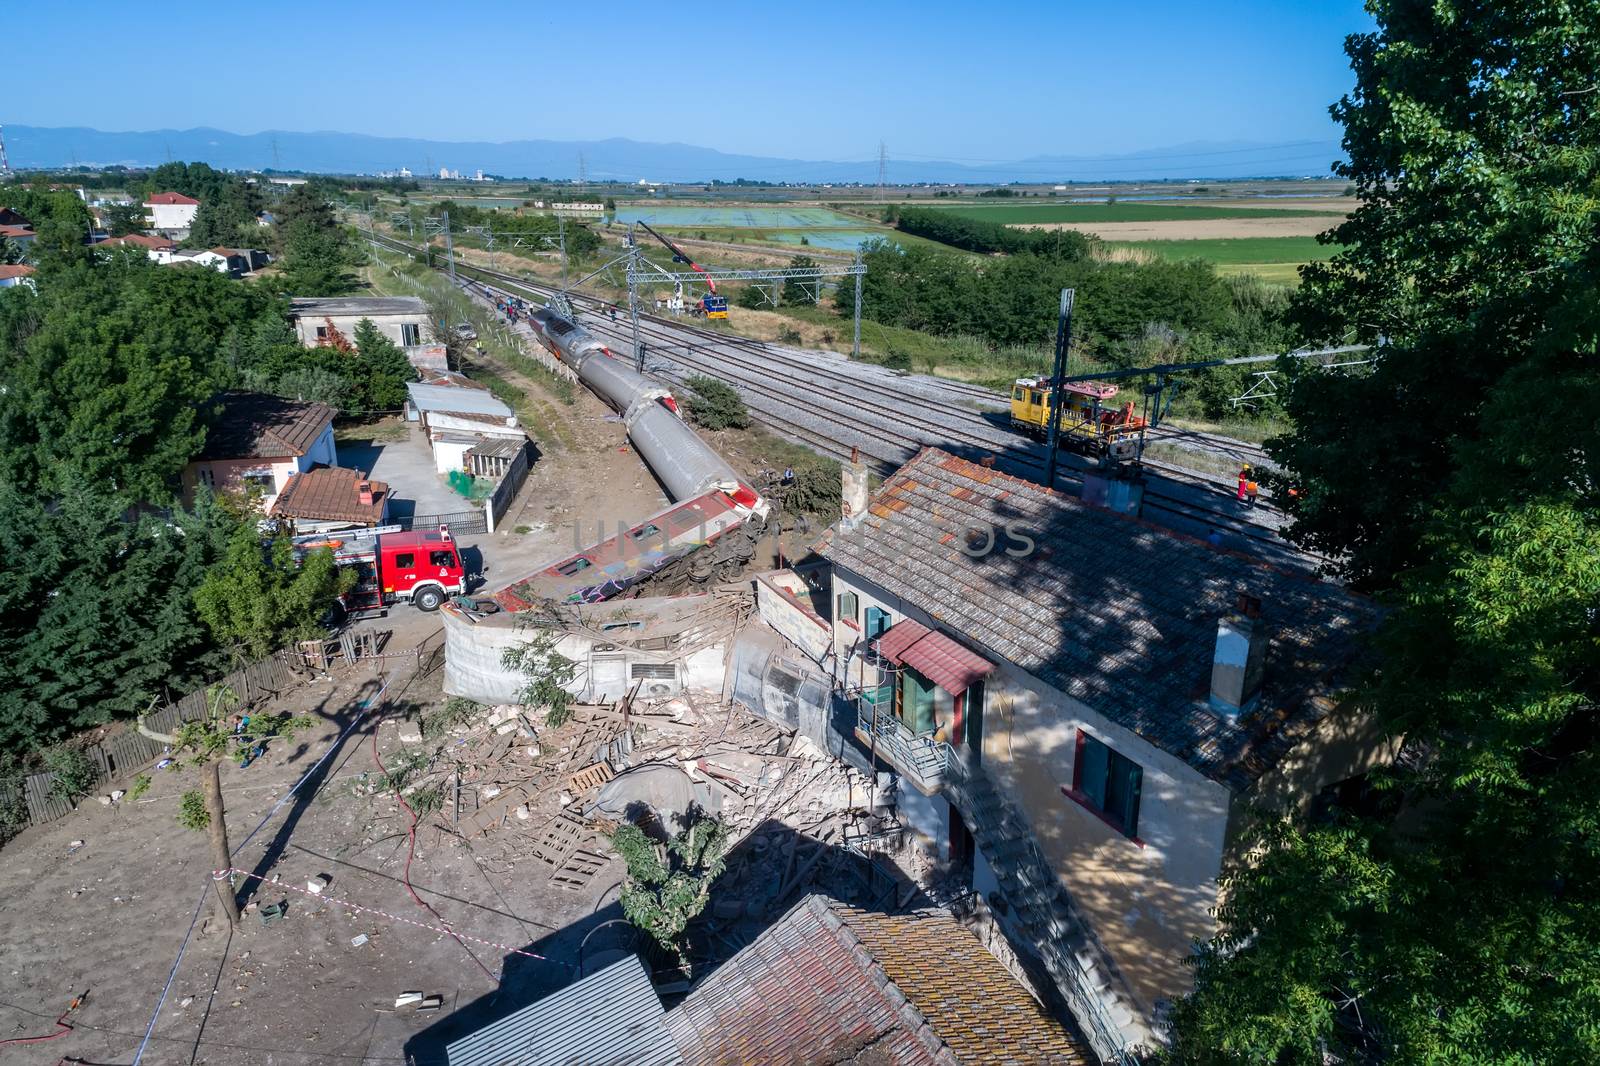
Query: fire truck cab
[422,566]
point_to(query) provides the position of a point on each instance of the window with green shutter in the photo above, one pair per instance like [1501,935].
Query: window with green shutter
[1108,784]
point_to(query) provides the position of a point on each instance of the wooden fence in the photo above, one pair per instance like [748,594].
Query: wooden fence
[128,751]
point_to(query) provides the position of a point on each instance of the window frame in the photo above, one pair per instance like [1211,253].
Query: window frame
[1116,763]
[405,560]
[855,607]
[410,334]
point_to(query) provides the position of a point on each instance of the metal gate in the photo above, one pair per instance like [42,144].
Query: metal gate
[474,521]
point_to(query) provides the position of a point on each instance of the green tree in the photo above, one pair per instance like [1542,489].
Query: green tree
[380,370]
[716,405]
[205,744]
[546,673]
[667,887]
[258,597]
[315,250]
[1471,133]
[96,612]
[1455,920]
[123,219]
[801,293]
[107,373]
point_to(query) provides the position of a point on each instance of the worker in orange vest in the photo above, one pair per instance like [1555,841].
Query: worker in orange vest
[1252,490]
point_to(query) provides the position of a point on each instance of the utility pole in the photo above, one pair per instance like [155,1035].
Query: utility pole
[1058,385]
[633,298]
[561,228]
[449,248]
[5,167]
[855,347]
[583,175]
[883,168]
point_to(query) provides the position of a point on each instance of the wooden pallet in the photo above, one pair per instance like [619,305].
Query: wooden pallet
[592,776]
[579,869]
[561,838]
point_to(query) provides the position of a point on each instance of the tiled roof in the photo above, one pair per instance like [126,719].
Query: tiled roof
[253,425]
[17,231]
[826,982]
[1116,612]
[166,198]
[159,244]
[933,655]
[15,270]
[331,494]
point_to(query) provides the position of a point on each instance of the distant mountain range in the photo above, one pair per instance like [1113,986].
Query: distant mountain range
[618,159]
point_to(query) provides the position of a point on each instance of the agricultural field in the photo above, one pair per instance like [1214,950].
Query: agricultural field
[1075,214]
[1276,259]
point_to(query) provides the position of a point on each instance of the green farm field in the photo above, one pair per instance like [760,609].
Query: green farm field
[1014,214]
[1274,259]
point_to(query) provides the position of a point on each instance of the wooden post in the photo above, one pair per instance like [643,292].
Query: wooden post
[217,830]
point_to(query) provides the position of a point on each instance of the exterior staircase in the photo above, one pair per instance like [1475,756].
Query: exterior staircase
[1044,917]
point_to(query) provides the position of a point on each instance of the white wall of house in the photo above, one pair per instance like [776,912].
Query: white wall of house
[271,475]
[171,216]
[404,330]
[1148,900]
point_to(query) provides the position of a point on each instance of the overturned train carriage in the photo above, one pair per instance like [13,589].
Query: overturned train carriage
[709,502]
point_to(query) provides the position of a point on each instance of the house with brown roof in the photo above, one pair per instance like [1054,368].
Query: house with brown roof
[171,214]
[257,442]
[328,498]
[159,249]
[826,983]
[15,274]
[1083,707]
[20,235]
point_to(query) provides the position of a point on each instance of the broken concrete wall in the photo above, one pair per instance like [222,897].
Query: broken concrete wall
[781,599]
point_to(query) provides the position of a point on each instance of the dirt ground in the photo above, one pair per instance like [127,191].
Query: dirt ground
[107,917]
[1196,229]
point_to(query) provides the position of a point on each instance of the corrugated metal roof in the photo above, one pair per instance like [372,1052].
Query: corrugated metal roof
[610,1018]
[312,306]
[444,398]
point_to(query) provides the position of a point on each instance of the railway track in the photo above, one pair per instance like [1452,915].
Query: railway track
[834,412]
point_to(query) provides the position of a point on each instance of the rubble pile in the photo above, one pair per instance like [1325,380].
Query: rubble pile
[543,800]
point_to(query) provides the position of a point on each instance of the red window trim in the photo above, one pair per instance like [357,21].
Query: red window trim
[1083,801]
[1072,792]
[851,623]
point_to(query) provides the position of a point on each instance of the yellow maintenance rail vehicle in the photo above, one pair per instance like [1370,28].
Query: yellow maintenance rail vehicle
[1090,423]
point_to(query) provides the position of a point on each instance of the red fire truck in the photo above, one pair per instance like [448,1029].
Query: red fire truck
[422,566]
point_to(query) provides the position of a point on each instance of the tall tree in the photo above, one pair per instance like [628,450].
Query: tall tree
[1456,918]
[1471,133]
[316,251]
[107,372]
[259,596]
[381,370]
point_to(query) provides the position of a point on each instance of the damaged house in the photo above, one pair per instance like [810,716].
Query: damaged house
[1085,708]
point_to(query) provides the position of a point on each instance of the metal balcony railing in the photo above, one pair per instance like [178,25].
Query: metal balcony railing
[917,755]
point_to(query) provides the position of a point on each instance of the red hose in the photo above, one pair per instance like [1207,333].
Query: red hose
[62,1028]
[411,851]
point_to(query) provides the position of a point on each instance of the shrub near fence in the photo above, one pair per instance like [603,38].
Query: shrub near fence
[126,752]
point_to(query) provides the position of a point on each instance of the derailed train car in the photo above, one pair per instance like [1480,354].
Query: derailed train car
[709,497]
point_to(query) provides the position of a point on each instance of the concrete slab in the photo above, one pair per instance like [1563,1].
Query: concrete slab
[407,465]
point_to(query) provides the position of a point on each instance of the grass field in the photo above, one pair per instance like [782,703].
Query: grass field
[1011,214]
[1236,250]
[1274,259]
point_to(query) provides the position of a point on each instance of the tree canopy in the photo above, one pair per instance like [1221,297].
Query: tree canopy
[1452,917]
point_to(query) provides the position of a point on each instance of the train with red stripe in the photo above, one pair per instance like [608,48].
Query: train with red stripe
[709,498]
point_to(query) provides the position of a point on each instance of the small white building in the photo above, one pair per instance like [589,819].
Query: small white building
[403,319]
[171,214]
[458,418]
[258,442]
[15,274]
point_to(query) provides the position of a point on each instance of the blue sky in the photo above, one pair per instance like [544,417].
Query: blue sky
[820,80]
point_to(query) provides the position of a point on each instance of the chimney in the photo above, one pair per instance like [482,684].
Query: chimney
[364,493]
[854,503]
[1239,659]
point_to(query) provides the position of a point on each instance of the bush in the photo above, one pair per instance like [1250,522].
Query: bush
[192,813]
[716,405]
[75,775]
[789,335]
